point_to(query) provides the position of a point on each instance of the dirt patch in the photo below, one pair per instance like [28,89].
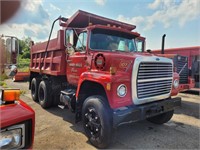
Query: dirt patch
[55,128]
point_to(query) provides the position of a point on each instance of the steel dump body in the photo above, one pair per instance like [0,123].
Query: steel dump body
[54,61]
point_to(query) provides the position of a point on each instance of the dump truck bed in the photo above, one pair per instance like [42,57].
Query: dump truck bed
[52,61]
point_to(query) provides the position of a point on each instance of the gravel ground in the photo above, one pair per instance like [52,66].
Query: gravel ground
[55,128]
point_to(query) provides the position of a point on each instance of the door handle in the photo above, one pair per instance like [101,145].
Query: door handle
[68,61]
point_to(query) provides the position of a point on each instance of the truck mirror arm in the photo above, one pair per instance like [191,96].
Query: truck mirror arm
[52,26]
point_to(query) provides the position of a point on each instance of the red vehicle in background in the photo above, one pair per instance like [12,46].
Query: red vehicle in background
[193,65]
[182,63]
[17,121]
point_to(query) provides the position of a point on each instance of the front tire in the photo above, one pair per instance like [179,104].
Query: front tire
[97,121]
[44,94]
[162,118]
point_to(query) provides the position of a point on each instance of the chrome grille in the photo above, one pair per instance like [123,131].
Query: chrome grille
[154,79]
[181,63]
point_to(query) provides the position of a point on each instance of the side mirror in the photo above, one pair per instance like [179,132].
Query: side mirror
[140,43]
[149,51]
[69,37]
[70,49]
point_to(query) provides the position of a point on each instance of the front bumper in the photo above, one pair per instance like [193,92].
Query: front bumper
[135,113]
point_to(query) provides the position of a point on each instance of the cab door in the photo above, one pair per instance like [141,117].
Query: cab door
[76,60]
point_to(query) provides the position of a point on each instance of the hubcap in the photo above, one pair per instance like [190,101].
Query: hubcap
[92,122]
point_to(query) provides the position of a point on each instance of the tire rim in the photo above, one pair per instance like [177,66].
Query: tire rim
[92,122]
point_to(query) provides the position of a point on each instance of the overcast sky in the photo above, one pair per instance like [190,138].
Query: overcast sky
[178,19]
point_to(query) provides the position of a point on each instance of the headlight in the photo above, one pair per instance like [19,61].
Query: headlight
[12,137]
[176,83]
[121,90]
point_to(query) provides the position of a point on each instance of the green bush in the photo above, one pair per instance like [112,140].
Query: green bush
[3,77]
[3,84]
[23,64]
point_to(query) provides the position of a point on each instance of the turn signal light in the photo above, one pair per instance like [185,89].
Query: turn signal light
[10,95]
[113,70]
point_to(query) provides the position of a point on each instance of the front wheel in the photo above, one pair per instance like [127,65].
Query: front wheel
[97,121]
[162,118]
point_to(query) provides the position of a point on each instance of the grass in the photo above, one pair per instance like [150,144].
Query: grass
[3,84]
[3,77]
[22,92]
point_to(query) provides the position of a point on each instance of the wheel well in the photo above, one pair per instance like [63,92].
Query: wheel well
[89,88]
[33,75]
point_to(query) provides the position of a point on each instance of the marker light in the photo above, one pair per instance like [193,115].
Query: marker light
[10,95]
[108,86]
[113,70]
[176,83]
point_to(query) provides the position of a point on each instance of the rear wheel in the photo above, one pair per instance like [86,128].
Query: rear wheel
[162,118]
[44,94]
[97,121]
[34,88]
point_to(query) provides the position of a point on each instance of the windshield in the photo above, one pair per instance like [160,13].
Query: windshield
[108,40]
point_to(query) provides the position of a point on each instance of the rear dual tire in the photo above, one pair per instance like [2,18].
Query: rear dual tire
[44,94]
[41,92]
[34,88]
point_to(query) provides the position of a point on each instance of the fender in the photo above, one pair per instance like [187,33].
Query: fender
[108,82]
[98,77]
[175,91]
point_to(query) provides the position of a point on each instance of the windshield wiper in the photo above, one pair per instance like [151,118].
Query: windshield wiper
[117,50]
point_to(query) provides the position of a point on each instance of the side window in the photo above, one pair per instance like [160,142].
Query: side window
[69,36]
[139,44]
[82,41]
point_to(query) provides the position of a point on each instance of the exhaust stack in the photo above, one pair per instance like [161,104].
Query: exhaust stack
[163,44]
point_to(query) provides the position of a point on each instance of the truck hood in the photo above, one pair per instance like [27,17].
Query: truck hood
[122,61]
[15,113]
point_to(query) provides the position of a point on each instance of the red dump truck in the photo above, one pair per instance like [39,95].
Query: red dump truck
[182,63]
[192,58]
[94,69]
[17,121]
